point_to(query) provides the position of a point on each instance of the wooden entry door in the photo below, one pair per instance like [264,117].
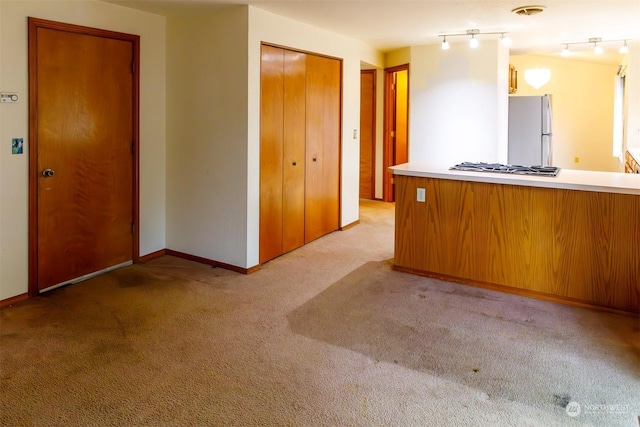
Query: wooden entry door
[83,127]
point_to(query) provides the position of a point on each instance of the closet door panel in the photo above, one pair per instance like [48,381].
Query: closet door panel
[271,152]
[331,146]
[314,148]
[294,150]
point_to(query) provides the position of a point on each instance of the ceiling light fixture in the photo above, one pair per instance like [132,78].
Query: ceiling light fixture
[624,48]
[473,41]
[597,45]
[445,44]
[597,49]
[506,41]
[537,77]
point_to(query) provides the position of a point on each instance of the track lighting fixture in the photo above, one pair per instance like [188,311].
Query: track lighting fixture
[473,41]
[597,45]
[506,41]
[624,48]
[445,44]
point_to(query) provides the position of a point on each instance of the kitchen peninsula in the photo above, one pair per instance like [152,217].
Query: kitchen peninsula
[573,238]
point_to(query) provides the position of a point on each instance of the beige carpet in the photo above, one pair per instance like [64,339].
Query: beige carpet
[327,335]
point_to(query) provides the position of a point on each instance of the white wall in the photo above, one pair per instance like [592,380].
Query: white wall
[207,133]
[458,103]
[14,123]
[632,96]
[582,95]
[267,27]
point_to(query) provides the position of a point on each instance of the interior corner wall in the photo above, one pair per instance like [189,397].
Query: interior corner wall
[582,97]
[267,27]
[458,103]
[207,133]
[14,123]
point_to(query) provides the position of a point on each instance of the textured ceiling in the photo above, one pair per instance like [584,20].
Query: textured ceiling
[388,25]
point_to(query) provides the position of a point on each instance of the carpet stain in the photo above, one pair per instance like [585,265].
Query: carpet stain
[132,279]
[561,400]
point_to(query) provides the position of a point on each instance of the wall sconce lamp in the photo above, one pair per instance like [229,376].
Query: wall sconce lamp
[473,41]
[597,46]
[537,77]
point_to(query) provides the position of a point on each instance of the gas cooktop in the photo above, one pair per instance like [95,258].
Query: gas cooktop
[500,168]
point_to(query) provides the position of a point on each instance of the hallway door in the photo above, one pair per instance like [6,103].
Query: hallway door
[396,135]
[83,120]
[367,133]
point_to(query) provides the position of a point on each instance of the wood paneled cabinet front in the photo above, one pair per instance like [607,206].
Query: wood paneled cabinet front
[630,164]
[513,79]
[299,149]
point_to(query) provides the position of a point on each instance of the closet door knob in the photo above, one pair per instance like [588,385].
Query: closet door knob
[294,163]
[315,158]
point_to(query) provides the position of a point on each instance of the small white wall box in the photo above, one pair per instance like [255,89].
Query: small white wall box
[9,97]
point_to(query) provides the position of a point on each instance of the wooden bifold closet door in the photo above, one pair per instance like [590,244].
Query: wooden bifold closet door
[299,149]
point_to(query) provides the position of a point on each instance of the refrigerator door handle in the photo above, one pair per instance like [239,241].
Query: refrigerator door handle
[546,150]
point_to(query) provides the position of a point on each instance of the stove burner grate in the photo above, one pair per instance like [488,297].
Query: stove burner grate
[513,169]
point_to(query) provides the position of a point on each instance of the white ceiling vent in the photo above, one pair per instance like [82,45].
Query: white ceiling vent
[528,10]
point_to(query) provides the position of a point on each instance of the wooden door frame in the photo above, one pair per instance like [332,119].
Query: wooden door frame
[34,24]
[373,130]
[389,117]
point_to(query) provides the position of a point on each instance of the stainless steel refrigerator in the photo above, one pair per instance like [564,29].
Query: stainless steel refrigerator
[530,131]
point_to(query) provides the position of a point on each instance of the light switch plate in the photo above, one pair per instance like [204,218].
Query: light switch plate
[9,97]
[421,195]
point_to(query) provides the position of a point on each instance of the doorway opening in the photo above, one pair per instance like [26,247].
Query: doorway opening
[396,125]
[368,134]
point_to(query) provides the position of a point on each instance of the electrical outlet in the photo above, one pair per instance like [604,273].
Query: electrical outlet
[421,195]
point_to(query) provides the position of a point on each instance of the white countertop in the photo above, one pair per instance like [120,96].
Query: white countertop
[570,179]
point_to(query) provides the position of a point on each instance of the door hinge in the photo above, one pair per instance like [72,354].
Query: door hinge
[133,148]
[393,134]
[133,66]
[133,228]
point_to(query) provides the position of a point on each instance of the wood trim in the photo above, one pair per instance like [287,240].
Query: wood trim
[515,291]
[33,25]
[348,226]
[151,256]
[211,262]
[33,159]
[13,300]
